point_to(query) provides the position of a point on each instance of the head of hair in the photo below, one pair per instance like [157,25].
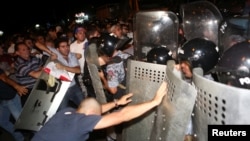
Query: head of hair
[17,38]
[91,29]
[52,28]
[58,41]
[77,27]
[16,47]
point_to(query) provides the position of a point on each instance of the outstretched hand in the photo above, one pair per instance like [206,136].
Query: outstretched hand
[125,99]
[161,92]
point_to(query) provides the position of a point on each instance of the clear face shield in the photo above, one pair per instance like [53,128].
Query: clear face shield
[201,19]
[154,29]
[233,31]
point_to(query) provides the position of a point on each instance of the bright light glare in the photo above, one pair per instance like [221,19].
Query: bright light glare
[37,26]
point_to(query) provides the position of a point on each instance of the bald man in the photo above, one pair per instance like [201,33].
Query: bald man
[75,125]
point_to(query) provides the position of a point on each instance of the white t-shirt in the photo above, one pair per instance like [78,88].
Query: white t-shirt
[79,48]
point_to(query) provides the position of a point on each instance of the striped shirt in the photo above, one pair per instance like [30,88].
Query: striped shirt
[24,67]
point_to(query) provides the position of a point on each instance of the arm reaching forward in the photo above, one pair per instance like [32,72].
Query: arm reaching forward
[132,111]
[122,101]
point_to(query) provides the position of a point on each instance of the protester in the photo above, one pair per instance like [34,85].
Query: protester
[71,124]
[28,68]
[10,104]
[68,61]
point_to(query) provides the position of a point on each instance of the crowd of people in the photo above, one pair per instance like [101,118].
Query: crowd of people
[22,61]
[23,57]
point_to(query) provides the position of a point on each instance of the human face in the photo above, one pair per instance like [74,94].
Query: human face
[124,30]
[41,39]
[185,69]
[64,49]
[29,43]
[80,35]
[23,51]
[96,34]
[53,34]
[118,31]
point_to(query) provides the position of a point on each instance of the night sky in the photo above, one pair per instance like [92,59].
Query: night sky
[22,14]
[17,15]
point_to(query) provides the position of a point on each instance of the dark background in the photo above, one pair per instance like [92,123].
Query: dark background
[17,15]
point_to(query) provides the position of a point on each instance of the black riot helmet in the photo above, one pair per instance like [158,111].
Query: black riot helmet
[233,68]
[159,55]
[199,52]
[107,44]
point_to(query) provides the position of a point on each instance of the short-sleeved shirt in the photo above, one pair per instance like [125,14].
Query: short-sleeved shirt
[6,91]
[67,125]
[24,67]
[79,48]
[115,72]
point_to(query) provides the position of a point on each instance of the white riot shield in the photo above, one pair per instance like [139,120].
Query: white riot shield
[42,103]
[154,29]
[201,19]
[173,115]
[143,80]
[93,64]
[218,104]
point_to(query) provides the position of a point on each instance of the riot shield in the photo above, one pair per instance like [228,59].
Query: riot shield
[173,115]
[233,30]
[149,77]
[42,103]
[200,19]
[154,29]
[219,104]
[93,65]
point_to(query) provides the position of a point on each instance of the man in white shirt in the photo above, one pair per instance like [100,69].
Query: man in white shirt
[78,47]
